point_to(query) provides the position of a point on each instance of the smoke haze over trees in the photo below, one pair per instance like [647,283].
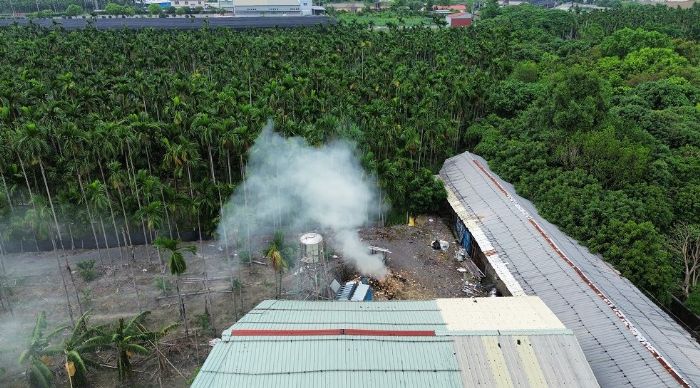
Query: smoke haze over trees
[292,186]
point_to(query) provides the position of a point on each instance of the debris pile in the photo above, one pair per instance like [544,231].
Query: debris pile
[399,285]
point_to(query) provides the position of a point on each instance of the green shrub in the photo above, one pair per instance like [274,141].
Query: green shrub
[154,9]
[74,10]
[86,269]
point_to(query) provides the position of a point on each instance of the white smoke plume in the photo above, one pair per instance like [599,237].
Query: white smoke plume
[293,186]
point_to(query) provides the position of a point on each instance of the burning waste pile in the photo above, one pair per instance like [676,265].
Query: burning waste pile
[294,187]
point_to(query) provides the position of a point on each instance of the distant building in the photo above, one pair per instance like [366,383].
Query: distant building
[462,19]
[447,343]
[445,9]
[180,3]
[267,7]
[161,3]
[188,3]
[358,6]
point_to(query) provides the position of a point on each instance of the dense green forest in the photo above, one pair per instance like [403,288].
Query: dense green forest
[120,135]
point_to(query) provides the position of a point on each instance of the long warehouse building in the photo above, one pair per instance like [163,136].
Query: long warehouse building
[443,343]
[626,338]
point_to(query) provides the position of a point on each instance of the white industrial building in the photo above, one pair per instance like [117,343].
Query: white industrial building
[266,7]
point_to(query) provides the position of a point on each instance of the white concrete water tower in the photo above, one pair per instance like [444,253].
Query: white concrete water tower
[311,245]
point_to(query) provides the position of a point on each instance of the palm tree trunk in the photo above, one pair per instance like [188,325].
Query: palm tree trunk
[211,163]
[75,288]
[228,166]
[72,241]
[26,179]
[245,206]
[53,211]
[167,213]
[4,300]
[148,160]
[183,313]
[92,224]
[2,256]
[136,193]
[160,257]
[199,226]
[31,199]
[126,219]
[63,279]
[111,209]
[133,276]
[7,193]
[104,236]
[208,296]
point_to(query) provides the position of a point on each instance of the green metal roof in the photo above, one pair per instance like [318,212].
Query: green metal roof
[342,315]
[331,361]
[262,355]
[340,306]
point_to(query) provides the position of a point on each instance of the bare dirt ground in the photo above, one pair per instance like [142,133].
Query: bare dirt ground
[36,285]
[417,271]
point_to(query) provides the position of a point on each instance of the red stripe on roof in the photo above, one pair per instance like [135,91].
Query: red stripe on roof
[391,333]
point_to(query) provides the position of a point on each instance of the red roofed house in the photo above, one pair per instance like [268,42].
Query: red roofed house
[463,19]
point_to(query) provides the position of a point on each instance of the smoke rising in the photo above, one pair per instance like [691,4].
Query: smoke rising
[293,186]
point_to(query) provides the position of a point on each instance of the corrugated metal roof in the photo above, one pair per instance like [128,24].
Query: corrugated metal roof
[290,315]
[521,313]
[545,354]
[618,327]
[331,361]
[523,361]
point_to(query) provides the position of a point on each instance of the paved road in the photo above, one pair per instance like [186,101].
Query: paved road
[180,23]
